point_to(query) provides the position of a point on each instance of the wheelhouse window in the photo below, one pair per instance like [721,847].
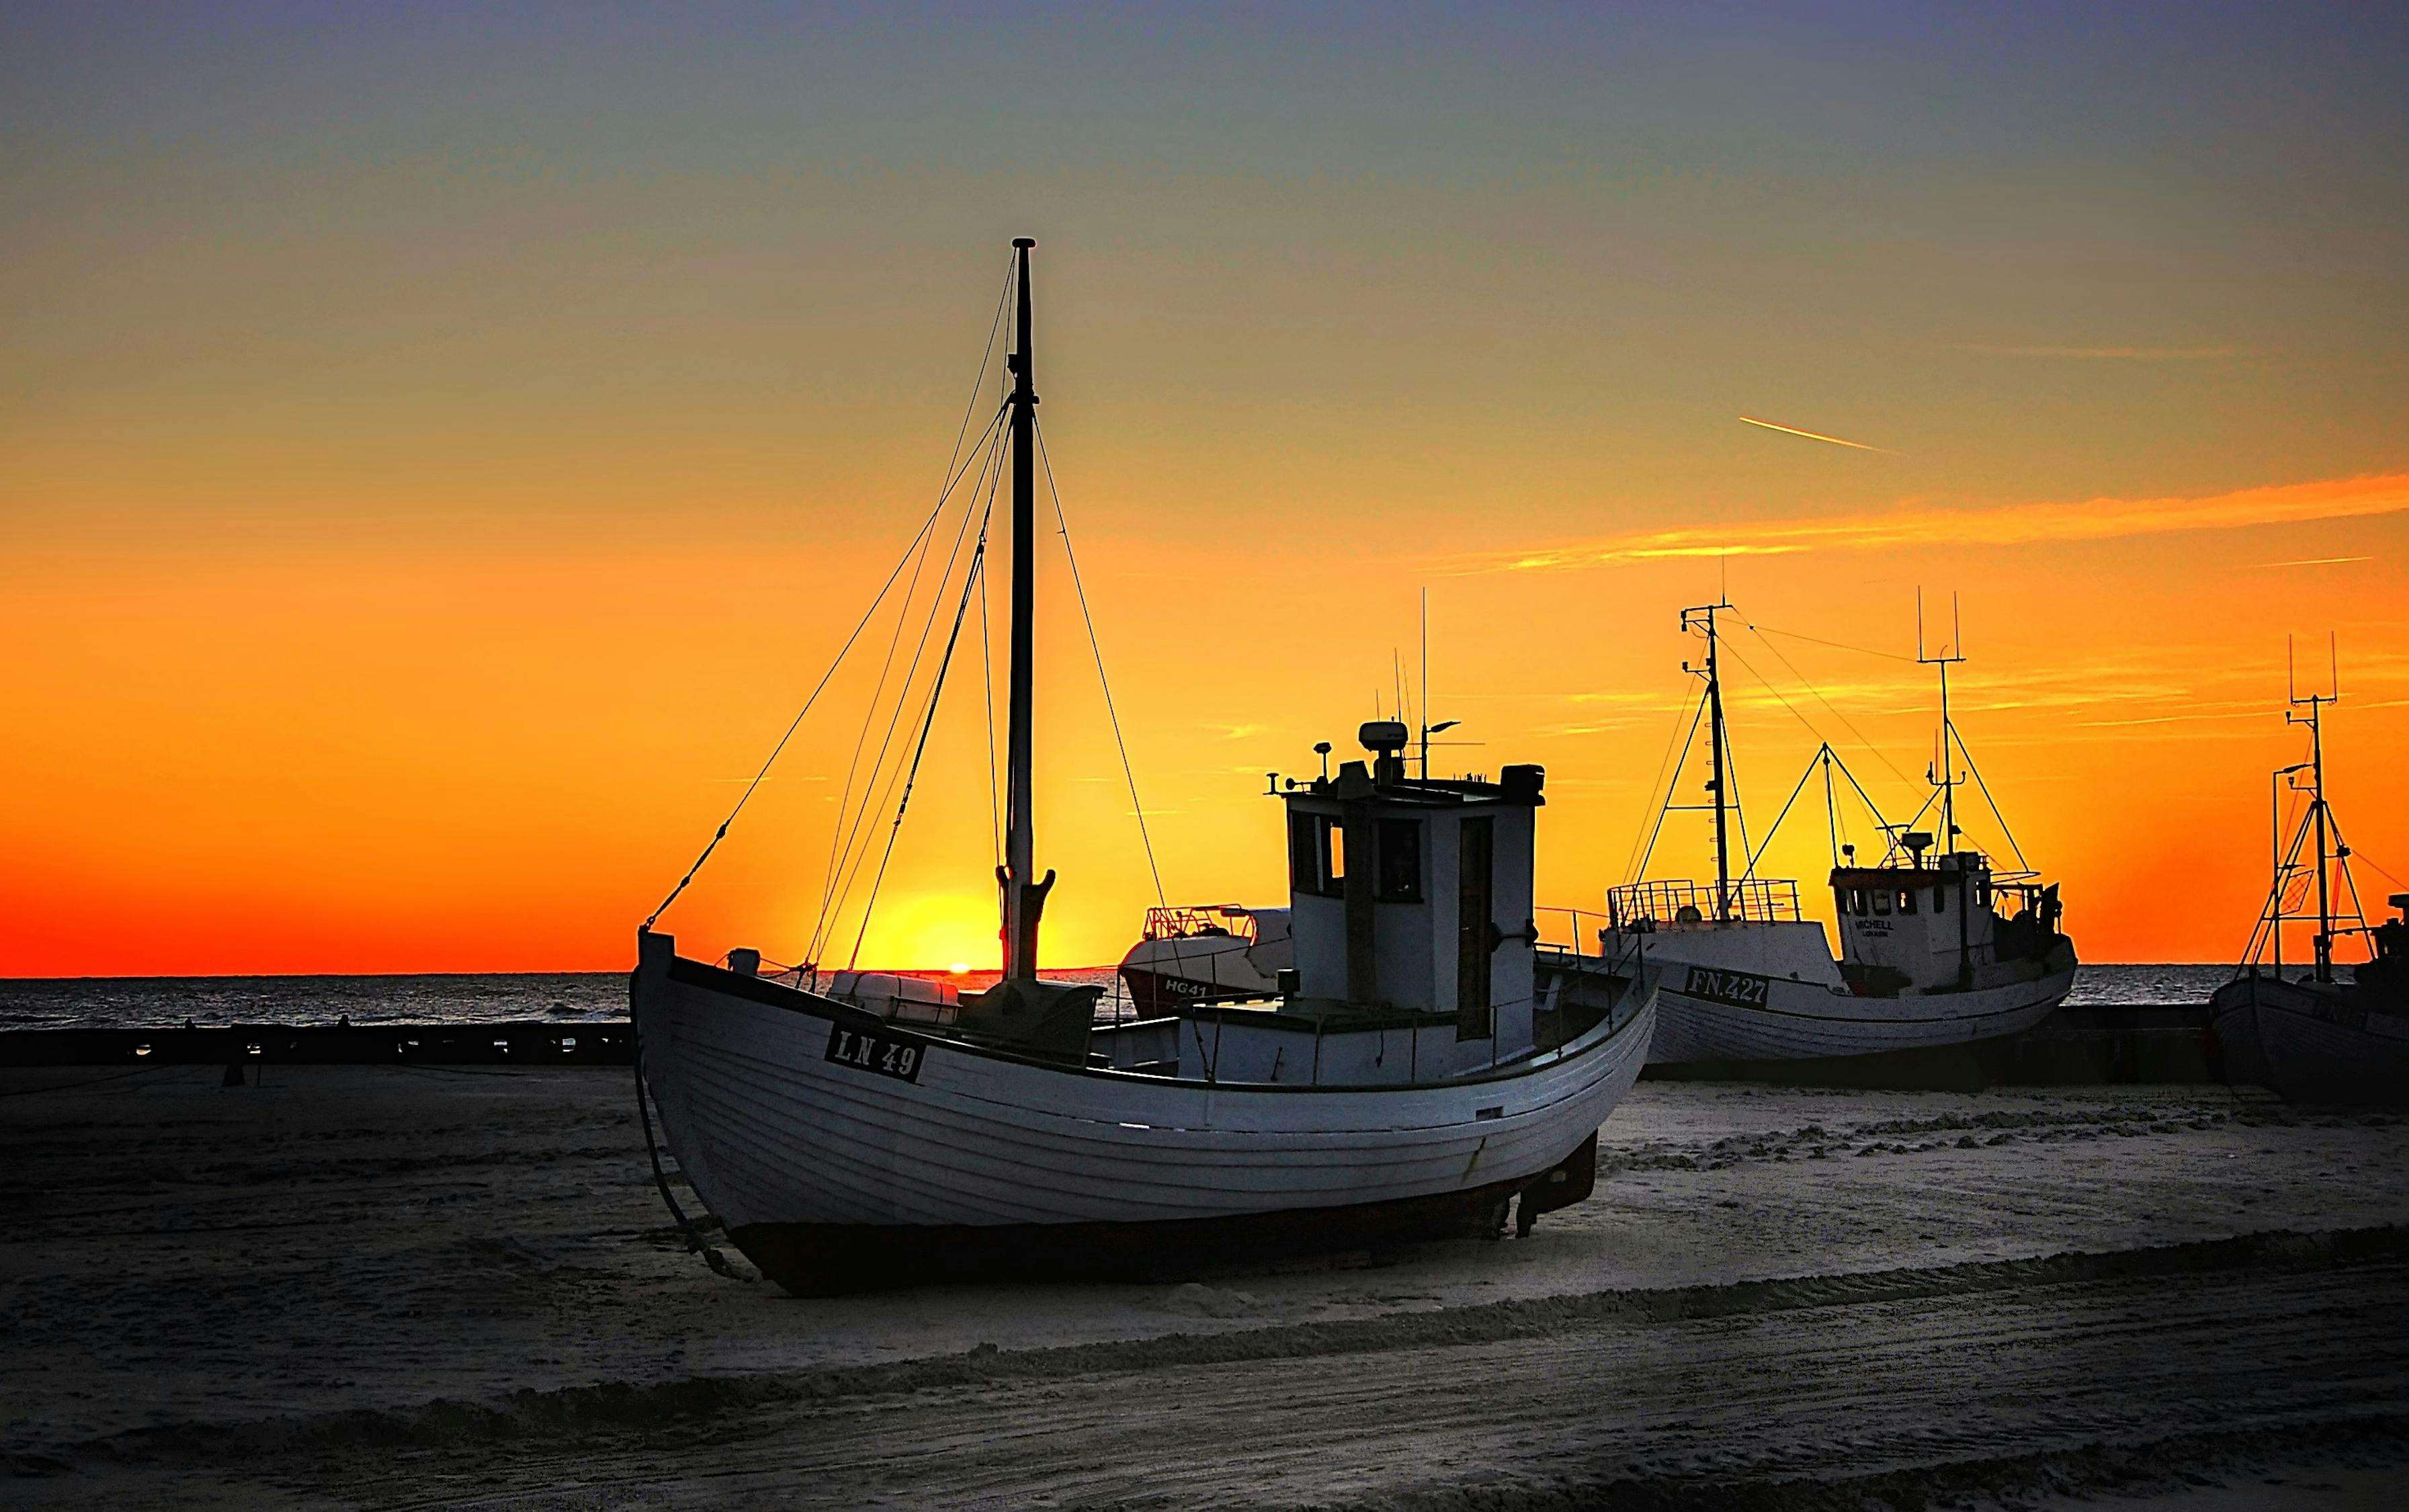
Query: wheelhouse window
[1399,870]
[1882,901]
[1940,898]
[1317,854]
[1907,900]
[1860,901]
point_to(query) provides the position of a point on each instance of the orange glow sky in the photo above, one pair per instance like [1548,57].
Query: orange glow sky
[439,456]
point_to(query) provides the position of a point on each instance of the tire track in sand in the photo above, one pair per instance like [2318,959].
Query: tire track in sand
[682,1405]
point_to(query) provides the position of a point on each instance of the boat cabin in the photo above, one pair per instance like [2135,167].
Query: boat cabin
[1410,920]
[1939,928]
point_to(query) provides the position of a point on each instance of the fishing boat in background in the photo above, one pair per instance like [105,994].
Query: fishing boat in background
[2309,1033]
[1935,951]
[1405,1080]
[1206,953]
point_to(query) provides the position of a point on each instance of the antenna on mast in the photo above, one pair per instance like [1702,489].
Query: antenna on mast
[1424,720]
[2319,817]
[1702,617]
[1951,654]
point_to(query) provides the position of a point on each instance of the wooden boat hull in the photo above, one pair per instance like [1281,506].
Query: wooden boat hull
[2312,1042]
[830,1174]
[1804,1020]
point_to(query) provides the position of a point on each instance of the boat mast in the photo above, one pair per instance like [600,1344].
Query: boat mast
[1704,614]
[1023,901]
[2323,940]
[1950,655]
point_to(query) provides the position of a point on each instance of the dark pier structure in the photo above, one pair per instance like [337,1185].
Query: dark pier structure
[2073,1046]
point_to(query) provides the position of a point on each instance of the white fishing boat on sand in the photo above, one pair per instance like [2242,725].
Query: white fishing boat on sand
[1932,953]
[1406,1082]
[2307,1031]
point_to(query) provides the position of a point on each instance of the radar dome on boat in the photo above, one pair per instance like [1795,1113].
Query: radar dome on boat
[1384,737]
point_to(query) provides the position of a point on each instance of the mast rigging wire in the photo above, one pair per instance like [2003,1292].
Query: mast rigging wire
[746,796]
[953,478]
[1870,748]
[1837,645]
[855,830]
[1129,772]
[1985,788]
[986,677]
[1681,744]
[1810,771]
[841,837]
[927,722]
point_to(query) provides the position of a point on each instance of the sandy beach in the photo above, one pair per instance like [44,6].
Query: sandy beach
[388,1287]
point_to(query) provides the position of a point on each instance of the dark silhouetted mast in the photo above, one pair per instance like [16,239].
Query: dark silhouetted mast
[1705,615]
[2323,940]
[1944,777]
[1023,901]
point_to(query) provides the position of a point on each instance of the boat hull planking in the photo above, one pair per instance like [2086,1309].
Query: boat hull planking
[1799,1021]
[2311,1044]
[794,1146]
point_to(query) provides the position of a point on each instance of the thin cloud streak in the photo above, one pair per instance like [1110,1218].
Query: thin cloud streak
[2319,561]
[2109,353]
[1815,436]
[2001,524]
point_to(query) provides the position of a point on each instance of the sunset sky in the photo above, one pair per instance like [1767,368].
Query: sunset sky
[439,448]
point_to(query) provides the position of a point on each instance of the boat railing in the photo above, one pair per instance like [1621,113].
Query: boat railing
[1584,931]
[1188,921]
[1749,900]
[1586,938]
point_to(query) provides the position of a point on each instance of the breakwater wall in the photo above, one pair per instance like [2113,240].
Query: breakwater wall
[2073,1046]
[533,1042]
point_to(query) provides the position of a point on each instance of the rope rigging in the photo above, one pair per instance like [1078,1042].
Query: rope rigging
[795,724]
[1681,744]
[1128,774]
[905,695]
[920,749]
[953,479]
[851,836]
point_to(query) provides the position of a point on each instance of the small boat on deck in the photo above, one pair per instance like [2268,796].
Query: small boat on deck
[1934,953]
[1206,953]
[2307,1031]
[1403,1081]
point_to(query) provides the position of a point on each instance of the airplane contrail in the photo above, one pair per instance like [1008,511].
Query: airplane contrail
[1816,436]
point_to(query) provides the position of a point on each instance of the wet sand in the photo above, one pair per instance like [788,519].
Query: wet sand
[402,1286]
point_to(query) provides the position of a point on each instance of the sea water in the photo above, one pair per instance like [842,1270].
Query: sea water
[602,997]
